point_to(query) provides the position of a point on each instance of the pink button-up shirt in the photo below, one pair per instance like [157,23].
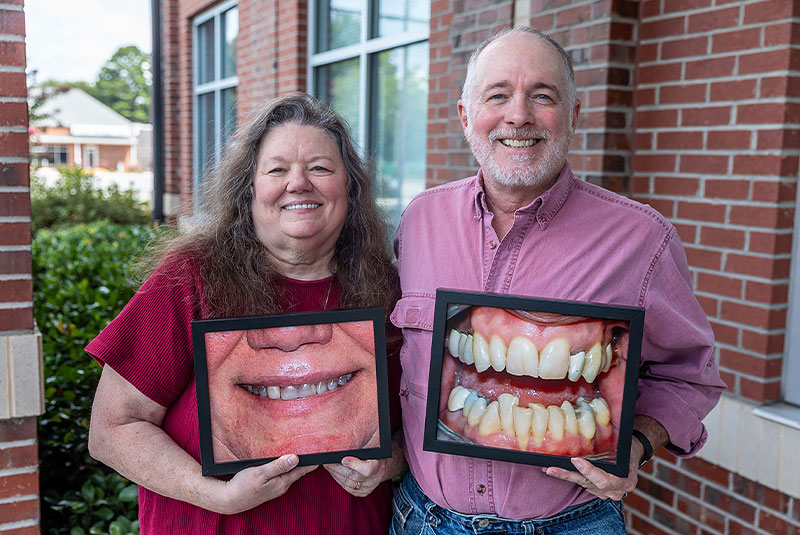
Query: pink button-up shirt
[576,242]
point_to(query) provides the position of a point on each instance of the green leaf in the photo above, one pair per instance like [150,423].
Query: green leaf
[129,493]
[104,513]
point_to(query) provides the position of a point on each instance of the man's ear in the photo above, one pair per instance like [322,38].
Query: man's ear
[462,114]
[576,113]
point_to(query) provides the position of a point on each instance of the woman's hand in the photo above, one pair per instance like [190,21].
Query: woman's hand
[360,478]
[255,485]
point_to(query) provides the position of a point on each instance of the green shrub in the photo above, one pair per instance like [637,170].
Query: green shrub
[82,279]
[75,198]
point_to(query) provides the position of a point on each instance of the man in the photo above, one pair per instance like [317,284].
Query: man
[526,226]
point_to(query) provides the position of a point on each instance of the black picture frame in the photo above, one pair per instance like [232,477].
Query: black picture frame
[202,328]
[452,306]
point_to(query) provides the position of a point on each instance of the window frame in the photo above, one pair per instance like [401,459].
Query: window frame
[216,87]
[364,50]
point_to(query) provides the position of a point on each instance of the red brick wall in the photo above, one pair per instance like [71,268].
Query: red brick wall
[717,152]
[271,61]
[19,480]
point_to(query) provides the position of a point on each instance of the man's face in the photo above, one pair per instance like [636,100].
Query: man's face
[304,389]
[519,124]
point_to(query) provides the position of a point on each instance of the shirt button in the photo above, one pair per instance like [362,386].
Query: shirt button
[483,523]
[481,488]
[492,244]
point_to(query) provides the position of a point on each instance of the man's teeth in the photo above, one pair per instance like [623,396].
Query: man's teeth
[533,422]
[305,206]
[300,391]
[521,357]
[519,143]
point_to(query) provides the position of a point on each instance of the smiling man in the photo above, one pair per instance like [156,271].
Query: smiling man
[525,225]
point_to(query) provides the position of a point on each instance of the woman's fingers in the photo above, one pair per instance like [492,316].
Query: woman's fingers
[253,486]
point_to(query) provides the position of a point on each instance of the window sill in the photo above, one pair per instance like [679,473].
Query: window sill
[781,413]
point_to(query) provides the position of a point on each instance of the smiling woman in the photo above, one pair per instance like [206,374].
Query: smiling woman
[290,225]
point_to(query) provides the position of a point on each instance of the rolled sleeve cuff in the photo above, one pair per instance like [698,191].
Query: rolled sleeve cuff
[671,409]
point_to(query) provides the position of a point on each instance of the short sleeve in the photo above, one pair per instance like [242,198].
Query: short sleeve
[679,382]
[150,342]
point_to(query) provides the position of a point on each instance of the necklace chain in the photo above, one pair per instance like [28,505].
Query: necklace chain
[328,293]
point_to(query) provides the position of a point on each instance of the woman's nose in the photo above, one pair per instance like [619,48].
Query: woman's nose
[289,338]
[298,182]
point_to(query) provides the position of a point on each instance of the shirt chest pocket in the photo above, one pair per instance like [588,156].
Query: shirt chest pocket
[414,315]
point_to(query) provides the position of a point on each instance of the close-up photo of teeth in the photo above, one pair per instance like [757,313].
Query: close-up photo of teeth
[535,382]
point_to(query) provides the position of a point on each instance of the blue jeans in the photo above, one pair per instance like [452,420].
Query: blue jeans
[415,514]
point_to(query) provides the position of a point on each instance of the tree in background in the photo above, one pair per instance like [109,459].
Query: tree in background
[123,84]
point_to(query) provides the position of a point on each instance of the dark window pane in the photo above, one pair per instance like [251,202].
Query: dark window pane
[400,121]
[337,84]
[397,16]
[205,52]
[339,23]
[229,35]
[205,133]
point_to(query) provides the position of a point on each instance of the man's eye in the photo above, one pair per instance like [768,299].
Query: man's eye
[542,96]
[498,96]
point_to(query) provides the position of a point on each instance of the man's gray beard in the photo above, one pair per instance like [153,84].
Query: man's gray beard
[538,173]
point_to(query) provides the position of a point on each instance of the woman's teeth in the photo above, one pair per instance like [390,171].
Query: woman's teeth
[306,206]
[533,422]
[521,357]
[298,391]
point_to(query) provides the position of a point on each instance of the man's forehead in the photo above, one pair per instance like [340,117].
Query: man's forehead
[517,53]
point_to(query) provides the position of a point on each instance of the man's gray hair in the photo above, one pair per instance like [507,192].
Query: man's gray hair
[467,92]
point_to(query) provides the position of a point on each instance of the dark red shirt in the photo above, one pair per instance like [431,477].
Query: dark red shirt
[149,344]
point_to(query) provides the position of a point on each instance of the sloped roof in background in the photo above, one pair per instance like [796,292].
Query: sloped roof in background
[74,107]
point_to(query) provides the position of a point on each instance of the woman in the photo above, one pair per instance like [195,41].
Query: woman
[289,225]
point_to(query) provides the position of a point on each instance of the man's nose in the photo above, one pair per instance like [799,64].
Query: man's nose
[289,338]
[519,112]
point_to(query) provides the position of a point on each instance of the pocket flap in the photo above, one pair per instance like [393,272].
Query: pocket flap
[414,313]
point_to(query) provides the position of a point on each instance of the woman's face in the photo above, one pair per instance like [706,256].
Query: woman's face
[300,190]
[306,389]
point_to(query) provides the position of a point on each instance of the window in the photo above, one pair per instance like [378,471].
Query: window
[370,62]
[47,155]
[215,81]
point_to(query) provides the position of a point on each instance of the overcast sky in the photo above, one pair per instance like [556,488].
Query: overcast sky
[70,40]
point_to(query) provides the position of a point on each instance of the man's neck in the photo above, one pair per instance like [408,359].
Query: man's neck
[504,201]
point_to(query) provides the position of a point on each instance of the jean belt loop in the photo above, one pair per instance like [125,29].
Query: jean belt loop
[432,509]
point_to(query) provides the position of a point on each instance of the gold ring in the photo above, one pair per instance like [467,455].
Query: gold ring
[358,485]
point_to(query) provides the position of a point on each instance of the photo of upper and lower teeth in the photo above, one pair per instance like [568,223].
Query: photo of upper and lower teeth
[535,382]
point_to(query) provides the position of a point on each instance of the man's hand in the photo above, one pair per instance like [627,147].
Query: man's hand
[599,482]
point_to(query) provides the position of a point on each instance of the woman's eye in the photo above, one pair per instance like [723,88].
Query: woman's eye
[276,170]
[319,169]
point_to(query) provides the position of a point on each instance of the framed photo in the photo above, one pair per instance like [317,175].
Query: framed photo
[533,381]
[314,384]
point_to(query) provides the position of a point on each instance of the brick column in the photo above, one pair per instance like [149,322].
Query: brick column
[20,346]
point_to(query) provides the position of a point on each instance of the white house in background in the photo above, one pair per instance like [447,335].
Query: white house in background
[81,131]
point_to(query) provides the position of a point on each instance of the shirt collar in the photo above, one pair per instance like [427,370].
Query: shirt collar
[545,206]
